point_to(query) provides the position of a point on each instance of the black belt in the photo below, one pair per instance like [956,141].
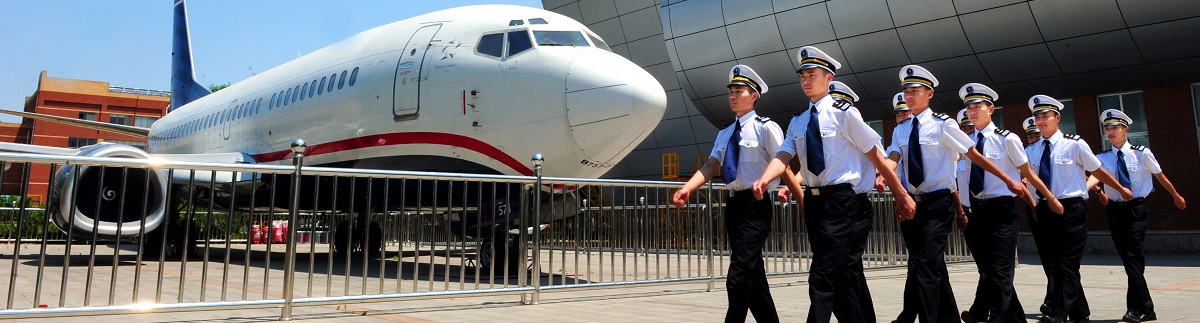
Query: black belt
[929,196]
[975,202]
[742,193]
[1135,201]
[1065,201]
[826,190]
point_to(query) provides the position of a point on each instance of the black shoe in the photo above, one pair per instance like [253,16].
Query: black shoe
[1045,309]
[966,317]
[1149,317]
[1048,319]
[1132,317]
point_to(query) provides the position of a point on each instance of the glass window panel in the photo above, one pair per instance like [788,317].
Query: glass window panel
[491,45]
[1067,124]
[518,41]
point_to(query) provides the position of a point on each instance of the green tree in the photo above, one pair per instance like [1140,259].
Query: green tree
[217,87]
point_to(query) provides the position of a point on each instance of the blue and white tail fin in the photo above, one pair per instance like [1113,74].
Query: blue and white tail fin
[184,88]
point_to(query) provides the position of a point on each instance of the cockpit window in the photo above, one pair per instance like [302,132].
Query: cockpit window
[537,21]
[517,22]
[491,45]
[599,42]
[560,38]
[518,41]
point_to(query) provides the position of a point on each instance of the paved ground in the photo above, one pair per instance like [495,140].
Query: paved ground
[1174,283]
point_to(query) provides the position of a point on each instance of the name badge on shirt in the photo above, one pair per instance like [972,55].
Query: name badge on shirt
[828,133]
[927,141]
[1063,161]
[748,143]
[992,155]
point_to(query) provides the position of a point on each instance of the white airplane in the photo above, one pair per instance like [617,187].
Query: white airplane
[474,89]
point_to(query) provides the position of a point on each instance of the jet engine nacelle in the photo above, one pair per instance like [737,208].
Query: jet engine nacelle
[108,202]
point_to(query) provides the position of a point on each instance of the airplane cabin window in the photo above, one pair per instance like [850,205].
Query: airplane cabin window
[537,21]
[491,45]
[560,38]
[599,43]
[286,96]
[518,41]
[353,76]
[294,93]
[303,90]
[271,104]
[321,89]
[312,89]
[331,81]
[342,81]
[257,104]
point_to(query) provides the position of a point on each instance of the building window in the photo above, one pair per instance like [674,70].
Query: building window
[878,127]
[1131,104]
[143,122]
[121,119]
[136,144]
[73,142]
[1067,124]
[90,116]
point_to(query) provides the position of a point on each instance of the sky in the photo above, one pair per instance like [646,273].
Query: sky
[128,43]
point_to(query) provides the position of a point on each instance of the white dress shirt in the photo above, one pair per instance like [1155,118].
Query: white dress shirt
[845,137]
[1004,149]
[1141,165]
[760,140]
[941,140]
[1070,157]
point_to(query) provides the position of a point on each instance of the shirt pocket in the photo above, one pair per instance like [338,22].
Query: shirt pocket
[992,153]
[750,150]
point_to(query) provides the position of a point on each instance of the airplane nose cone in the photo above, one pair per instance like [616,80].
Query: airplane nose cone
[611,104]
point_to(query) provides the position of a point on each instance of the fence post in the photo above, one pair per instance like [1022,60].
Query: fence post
[289,271]
[536,272]
[711,237]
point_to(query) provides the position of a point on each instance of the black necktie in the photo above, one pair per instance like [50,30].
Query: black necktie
[1123,171]
[812,142]
[1044,171]
[732,149]
[916,168]
[976,171]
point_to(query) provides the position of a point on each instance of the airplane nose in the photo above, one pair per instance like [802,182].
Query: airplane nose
[611,104]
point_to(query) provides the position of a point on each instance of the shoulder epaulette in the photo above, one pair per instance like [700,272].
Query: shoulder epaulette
[762,118]
[1002,132]
[1139,148]
[1072,137]
[941,116]
[842,104]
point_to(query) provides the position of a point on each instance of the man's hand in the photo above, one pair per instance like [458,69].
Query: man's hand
[1126,194]
[784,194]
[1103,196]
[1056,206]
[1029,199]
[906,208]
[961,220]
[681,197]
[760,188]
[1179,202]
[1015,187]
[880,183]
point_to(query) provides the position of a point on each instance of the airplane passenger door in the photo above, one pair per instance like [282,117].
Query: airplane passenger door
[226,120]
[409,74]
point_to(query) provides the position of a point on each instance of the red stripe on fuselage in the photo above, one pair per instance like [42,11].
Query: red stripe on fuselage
[403,138]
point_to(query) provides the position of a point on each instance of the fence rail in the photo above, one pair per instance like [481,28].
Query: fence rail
[262,236]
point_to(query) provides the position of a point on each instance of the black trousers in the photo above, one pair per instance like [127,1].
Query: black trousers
[927,290]
[1042,241]
[1127,223]
[748,223]
[1067,234]
[831,223]
[992,238]
[854,261]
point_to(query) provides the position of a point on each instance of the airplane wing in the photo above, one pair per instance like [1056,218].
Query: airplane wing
[96,125]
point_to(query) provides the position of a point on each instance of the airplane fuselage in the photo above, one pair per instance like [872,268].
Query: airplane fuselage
[431,93]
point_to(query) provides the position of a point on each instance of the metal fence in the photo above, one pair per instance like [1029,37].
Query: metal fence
[259,236]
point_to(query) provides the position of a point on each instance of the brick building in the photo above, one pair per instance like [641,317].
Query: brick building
[83,99]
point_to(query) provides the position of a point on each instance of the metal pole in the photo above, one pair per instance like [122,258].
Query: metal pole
[536,275]
[289,271]
[711,237]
